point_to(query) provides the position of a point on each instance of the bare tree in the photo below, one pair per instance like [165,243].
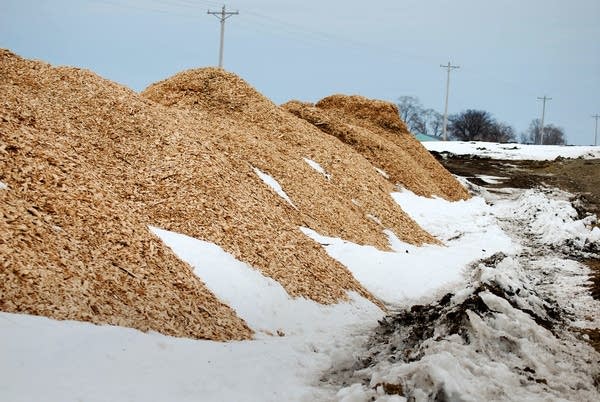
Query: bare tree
[479,125]
[502,132]
[553,135]
[470,125]
[434,122]
[418,119]
[411,111]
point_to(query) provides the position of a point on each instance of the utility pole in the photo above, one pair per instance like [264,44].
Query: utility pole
[544,99]
[596,116]
[449,67]
[222,16]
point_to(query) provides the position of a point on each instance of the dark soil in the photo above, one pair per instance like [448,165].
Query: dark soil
[580,177]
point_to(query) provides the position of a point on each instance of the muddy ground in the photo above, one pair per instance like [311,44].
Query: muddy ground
[580,177]
[577,176]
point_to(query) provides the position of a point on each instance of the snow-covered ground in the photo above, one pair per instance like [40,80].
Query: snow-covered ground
[510,333]
[513,151]
[493,270]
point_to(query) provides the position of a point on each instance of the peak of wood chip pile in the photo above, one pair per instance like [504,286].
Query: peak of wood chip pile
[374,129]
[90,164]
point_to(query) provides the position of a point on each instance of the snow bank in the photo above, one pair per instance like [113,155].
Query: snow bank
[44,359]
[513,151]
[271,182]
[260,301]
[550,217]
[508,334]
[50,360]
[476,345]
[401,277]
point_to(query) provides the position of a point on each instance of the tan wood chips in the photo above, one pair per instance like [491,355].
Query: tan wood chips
[73,243]
[90,164]
[375,130]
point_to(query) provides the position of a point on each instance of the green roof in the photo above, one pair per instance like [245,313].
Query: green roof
[425,137]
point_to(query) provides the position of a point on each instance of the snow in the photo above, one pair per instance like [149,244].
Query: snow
[519,233]
[513,151]
[503,354]
[235,283]
[75,361]
[271,182]
[508,356]
[549,216]
[3,186]
[317,167]
[491,179]
[382,172]
[49,360]
[409,273]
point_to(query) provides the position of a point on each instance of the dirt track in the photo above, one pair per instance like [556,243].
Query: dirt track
[580,177]
[577,176]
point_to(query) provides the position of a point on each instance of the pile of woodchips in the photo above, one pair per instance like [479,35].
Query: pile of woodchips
[374,129]
[90,164]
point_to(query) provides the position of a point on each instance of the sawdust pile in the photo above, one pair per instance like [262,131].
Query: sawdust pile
[353,202]
[90,165]
[374,129]
[74,244]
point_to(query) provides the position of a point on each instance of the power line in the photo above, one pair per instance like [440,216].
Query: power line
[222,16]
[544,99]
[596,116]
[449,67]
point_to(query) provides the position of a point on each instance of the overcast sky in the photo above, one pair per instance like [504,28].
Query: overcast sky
[509,51]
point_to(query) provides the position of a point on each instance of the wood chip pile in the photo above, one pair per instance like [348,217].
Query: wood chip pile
[354,203]
[90,164]
[374,129]
[74,243]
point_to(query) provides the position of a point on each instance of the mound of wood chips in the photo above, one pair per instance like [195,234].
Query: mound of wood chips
[354,203]
[90,165]
[375,130]
[74,244]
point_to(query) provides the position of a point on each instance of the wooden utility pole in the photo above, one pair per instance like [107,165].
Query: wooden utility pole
[544,99]
[222,16]
[449,67]
[596,116]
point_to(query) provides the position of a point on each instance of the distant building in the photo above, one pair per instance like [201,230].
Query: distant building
[425,137]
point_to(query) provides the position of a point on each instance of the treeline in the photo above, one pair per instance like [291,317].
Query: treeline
[473,125]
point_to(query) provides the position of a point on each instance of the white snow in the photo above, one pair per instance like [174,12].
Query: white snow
[44,359]
[402,277]
[3,186]
[382,172]
[50,360]
[490,366]
[271,182]
[317,167]
[492,179]
[508,355]
[548,216]
[513,151]
[260,301]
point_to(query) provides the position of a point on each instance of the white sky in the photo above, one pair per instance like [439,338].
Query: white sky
[510,51]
